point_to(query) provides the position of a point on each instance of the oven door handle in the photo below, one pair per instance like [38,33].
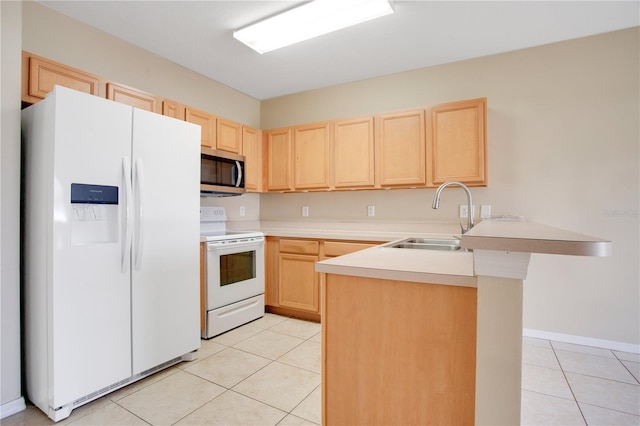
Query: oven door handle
[233,247]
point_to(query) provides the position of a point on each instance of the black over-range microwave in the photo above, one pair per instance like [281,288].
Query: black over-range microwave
[221,173]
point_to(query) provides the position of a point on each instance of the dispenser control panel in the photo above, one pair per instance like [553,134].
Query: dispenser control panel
[94,210]
[82,193]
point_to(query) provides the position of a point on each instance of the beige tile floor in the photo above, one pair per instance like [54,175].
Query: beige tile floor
[566,384]
[268,372]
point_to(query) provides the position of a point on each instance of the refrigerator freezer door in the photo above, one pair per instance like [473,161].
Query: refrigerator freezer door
[165,258]
[88,312]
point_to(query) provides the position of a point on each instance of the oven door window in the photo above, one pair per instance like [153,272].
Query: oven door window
[237,267]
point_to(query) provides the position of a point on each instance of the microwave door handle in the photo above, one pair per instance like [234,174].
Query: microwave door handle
[239,166]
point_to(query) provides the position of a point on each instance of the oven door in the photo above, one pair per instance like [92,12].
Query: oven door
[235,271]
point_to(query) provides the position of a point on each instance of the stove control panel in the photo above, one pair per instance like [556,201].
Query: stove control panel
[213,214]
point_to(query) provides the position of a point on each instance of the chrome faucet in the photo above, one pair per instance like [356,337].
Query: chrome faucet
[436,202]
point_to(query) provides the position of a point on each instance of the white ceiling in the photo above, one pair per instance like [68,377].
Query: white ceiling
[198,36]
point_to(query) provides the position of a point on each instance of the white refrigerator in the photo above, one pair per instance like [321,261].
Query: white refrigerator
[111,198]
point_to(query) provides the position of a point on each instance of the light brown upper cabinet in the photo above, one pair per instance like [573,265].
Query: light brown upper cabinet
[456,142]
[312,159]
[279,170]
[133,97]
[400,149]
[228,135]
[39,75]
[173,109]
[252,150]
[207,123]
[353,153]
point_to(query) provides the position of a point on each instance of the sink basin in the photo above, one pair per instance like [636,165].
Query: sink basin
[426,244]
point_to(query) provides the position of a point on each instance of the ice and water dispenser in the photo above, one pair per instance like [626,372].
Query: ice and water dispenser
[94,210]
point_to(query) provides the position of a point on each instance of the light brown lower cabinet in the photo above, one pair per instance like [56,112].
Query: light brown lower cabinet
[292,285]
[397,352]
[299,284]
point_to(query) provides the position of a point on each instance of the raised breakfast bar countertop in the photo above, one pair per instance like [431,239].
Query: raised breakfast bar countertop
[531,237]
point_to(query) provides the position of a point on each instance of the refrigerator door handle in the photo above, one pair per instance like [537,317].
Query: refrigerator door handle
[126,242]
[140,214]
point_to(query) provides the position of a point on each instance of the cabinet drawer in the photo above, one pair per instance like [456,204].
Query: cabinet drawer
[339,248]
[299,246]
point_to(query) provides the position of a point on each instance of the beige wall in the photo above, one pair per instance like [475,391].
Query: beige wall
[563,143]
[10,389]
[57,37]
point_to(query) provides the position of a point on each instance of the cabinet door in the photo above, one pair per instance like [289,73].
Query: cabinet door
[173,109]
[353,153]
[299,282]
[40,75]
[133,97]
[401,157]
[228,135]
[457,141]
[311,146]
[279,159]
[207,123]
[252,150]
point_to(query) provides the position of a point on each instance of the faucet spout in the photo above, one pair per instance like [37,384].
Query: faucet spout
[436,202]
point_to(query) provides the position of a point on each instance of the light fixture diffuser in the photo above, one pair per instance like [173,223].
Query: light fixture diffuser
[309,20]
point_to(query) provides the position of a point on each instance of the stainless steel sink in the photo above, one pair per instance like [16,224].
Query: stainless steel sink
[426,244]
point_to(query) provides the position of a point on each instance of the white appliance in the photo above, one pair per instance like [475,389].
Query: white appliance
[234,274]
[111,235]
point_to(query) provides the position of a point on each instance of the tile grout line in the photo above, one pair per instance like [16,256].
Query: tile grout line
[271,361]
[626,368]
[564,374]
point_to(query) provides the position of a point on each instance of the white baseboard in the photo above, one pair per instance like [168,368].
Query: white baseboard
[580,340]
[12,407]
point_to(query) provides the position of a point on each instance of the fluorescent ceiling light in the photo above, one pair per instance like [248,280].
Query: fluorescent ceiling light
[309,20]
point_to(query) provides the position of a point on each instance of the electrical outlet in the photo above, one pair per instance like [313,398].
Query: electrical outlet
[464,211]
[242,211]
[371,211]
[305,211]
[485,212]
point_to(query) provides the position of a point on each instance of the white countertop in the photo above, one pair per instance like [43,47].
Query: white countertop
[424,266]
[430,266]
[355,231]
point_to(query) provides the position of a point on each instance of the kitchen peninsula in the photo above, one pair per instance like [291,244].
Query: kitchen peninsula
[431,337]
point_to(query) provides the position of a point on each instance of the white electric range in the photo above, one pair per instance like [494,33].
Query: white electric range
[233,291]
